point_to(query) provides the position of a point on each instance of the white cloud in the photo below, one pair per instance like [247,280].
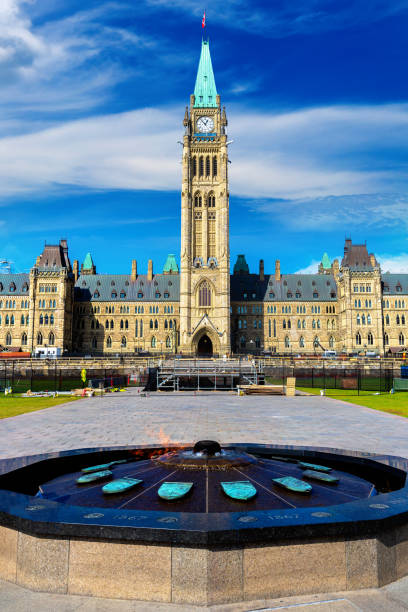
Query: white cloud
[313,161]
[394,263]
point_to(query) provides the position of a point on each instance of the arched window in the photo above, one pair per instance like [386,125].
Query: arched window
[289,324]
[166,325]
[153,343]
[24,339]
[8,339]
[313,324]
[257,343]
[39,338]
[141,328]
[108,342]
[215,166]
[211,200]
[287,342]
[284,324]
[126,324]
[402,319]
[171,324]
[204,294]
[299,324]
[106,324]
[302,342]
[386,341]
[358,338]
[198,200]
[46,321]
[387,319]
[207,166]
[51,339]
[331,342]
[401,339]
[121,324]
[151,324]
[41,319]
[111,324]
[168,342]
[368,319]
[242,342]
[123,343]
[156,324]
[370,339]
[201,166]
[194,169]
[318,323]
[94,343]
[398,320]
[22,320]
[358,319]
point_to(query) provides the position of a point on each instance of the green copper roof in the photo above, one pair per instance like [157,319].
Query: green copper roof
[205,90]
[326,263]
[241,266]
[88,263]
[171,264]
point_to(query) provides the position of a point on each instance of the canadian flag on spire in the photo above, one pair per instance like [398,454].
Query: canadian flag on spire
[203,21]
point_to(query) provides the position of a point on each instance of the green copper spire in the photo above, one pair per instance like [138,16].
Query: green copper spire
[170,267]
[205,91]
[88,263]
[241,266]
[326,263]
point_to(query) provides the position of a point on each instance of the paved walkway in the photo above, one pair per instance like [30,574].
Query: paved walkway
[126,418]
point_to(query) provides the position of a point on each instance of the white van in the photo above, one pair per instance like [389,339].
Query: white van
[329,354]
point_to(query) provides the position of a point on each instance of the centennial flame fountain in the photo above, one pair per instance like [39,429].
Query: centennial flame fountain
[203,524]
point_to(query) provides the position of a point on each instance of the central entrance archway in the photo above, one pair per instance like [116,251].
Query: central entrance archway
[204,346]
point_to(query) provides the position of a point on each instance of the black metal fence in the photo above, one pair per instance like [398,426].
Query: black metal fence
[348,379]
[57,379]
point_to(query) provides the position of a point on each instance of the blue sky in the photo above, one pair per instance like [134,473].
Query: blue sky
[91,107]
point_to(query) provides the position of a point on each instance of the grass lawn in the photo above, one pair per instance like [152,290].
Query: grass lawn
[395,404]
[13,405]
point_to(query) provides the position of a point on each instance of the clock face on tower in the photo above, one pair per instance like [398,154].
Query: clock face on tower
[205,124]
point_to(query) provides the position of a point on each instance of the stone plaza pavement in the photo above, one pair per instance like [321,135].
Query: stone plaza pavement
[129,419]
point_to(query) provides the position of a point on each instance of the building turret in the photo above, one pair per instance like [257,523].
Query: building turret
[170,267]
[241,266]
[134,271]
[88,267]
[261,270]
[277,270]
[150,270]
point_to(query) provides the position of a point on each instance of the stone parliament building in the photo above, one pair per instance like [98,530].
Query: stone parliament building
[202,308]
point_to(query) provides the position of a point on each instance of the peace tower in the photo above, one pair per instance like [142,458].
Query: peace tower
[205,259]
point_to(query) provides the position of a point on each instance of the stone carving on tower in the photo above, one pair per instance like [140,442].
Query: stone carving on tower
[205,261]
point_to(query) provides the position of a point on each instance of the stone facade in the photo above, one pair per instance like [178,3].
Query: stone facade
[346,306]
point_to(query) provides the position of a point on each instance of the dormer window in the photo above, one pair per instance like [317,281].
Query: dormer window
[83,283]
[140,295]
[114,294]
[98,283]
[112,283]
[12,287]
[399,288]
[167,295]
[157,295]
[122,294]
[127,283]
[96,294]
[298,294]
[315,294]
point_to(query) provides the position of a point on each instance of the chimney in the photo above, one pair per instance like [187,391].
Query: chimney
[373,261]
[185,120]
[277,270]
[150,270]
[37,261]
[261,270]
[134,271]
[76,270]
[336,269]
[192,100]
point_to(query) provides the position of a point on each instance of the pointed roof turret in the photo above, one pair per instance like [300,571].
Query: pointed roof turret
[205,91]
[88,267]
[326,263]
[241,266]
[170,267]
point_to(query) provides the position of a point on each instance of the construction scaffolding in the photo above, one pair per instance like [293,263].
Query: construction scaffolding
[216,374]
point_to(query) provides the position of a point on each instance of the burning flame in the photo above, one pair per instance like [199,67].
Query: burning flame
[167,444]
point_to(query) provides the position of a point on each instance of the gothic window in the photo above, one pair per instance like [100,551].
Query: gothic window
[141,328]
[363,319]
[151,324]
[198,200]
[242,342]
[109,342]
[368,319]
[41,319]
[402,319]
[201,166]
[386,341]
[46,321]
[313,324]
[39,338]
[211,200]
[257,343]
[24,339]
[171,324]
[401,339]
[398,320]
[106,324]
[269,328]
[331,342]
[204,294]
[124,342]
[274,328]
[22,319]
[94,343]
[370,339]
[287,342]
[51,339]
[168,342]
[283,324]
[166,324]
[387,319]
[358,319]
[302,342]
[136,326]
[299,324]
[111,324]
[121,324]
[153,343]
[289,324]
[358,338]
[194,166]
[215,164]
[239,324]
[207,166]
[8,339]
